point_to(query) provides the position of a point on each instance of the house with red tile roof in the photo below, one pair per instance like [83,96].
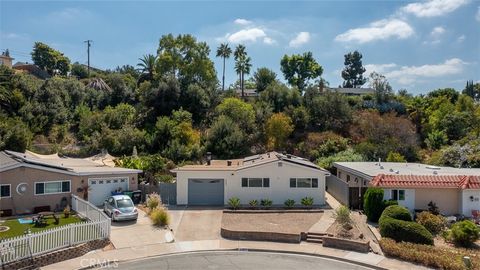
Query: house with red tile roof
[415,185]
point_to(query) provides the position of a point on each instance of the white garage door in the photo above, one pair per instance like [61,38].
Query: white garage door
[101,188]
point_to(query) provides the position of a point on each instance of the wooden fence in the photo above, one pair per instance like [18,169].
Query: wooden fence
[97,226]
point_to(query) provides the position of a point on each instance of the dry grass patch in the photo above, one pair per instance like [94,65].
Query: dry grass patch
[448,258]
[293,223]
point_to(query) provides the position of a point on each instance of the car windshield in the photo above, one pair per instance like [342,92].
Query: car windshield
[124,203]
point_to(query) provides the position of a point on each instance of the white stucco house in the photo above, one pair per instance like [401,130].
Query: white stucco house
[414,185]
[272,175]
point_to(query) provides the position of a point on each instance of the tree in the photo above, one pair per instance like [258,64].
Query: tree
[147,65]
[395,157]
[50,59]
[279,96]
[353,71]
[263,78]
[376,135]
[239,111]
[278,128]
[472,90]
[383,90]
[79,71]
[14,135]
[225,139]
[186,59]
[242,65]
[330,111]
[224,51]
[298,69]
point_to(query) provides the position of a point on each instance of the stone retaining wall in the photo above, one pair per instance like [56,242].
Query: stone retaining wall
[341,243]
[273,210]
[58,256]
[260,236]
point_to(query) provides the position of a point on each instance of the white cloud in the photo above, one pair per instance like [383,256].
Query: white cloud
[433,8]
[269,41]
[437,31]
[380,68]
[461,39]
[242,21]
[378,30]
[410,74]
[246,35]
[300,39]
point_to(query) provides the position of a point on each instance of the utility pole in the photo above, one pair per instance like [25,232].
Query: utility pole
[88,53]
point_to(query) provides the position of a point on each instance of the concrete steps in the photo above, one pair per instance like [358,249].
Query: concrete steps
[317,238]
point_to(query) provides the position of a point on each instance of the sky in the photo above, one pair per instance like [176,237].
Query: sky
[418,45]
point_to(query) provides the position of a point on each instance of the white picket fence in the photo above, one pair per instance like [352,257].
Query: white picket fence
[21,247]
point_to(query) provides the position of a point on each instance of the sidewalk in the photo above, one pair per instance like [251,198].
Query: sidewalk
[134,253]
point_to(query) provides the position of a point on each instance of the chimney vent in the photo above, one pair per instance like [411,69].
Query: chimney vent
[229,163]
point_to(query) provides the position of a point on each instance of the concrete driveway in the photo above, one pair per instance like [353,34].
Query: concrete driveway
[195,223]
[136,233]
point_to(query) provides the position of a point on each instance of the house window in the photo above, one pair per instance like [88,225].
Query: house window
[4,191]
[339,174]
[398,194]
[348,177]
[303,182]
[52,187]
[255,182]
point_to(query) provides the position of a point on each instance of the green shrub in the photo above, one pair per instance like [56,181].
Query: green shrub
[234,203]
[266,203]
[159,217]
[396,212]
[307,201]
[433,223]
[342,216]
[430,256]
[406,231]
[389,203]
[465,233]
[253,203]
[153,201]
[373,203]
[289,203]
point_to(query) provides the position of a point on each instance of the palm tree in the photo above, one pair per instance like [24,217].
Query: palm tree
[147,65]
[224,51]
[243,66]
[242,61]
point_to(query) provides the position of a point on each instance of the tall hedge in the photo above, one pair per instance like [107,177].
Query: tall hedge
[406,231]
[373,203]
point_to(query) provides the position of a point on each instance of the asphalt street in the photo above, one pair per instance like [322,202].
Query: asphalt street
[238,260]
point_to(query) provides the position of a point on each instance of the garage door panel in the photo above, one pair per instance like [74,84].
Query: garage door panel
[101,188]
[205,191]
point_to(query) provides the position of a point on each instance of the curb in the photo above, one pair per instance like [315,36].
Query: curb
[241,250]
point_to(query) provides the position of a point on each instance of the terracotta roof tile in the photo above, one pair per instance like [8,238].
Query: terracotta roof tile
[427,181]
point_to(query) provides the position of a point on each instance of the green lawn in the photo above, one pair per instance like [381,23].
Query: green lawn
[17,229]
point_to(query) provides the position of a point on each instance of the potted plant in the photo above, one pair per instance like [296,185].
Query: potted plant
[66,211]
